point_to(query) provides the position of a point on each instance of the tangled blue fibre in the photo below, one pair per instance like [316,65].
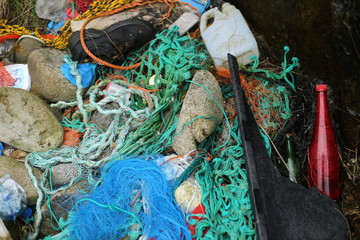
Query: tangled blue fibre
[132,198]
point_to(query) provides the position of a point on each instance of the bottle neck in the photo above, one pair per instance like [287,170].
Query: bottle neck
[322,110]
[289,146]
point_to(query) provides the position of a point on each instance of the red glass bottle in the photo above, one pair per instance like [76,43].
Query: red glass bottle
[323,167]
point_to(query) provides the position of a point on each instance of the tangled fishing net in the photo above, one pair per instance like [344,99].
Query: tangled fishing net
[141,206]
[142,124]
[125,160]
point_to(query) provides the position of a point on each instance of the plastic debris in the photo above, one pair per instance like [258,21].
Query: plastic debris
[86,71]
[185,22]
[20,73]
[53,10]
[200,5]
[12,200]
[226,31]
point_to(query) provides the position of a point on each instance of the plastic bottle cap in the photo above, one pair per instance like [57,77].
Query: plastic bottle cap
[27,213]
[321,87]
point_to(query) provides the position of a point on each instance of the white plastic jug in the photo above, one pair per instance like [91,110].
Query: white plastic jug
[226,32]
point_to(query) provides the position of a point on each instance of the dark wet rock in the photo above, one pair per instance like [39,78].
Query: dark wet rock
[61,204]
[27,123]
[198,103]
[47,79]
[101,120]
[57,113]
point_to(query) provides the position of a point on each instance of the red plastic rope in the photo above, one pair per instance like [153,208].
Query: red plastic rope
[9,36]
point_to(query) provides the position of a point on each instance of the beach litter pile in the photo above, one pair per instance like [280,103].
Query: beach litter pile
[118,120]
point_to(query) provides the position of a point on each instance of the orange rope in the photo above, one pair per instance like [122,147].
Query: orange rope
[143,89]
[49,36]
[170,3]
[223,75]
[70,110]
[135,87]
[119,77]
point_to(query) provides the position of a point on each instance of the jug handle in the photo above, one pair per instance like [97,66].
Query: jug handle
[212,13]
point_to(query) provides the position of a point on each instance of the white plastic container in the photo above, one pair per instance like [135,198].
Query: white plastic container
[226,32]
[20,73]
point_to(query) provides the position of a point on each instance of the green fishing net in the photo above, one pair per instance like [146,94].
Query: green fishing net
[144,120]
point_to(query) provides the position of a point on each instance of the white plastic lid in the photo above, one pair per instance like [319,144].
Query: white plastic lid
[21,75]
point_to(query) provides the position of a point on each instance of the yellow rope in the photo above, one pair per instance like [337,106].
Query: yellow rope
[6,29]
[61,40]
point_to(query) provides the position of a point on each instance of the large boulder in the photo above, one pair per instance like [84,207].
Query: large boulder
[200,114]
[47,79]
[27,123]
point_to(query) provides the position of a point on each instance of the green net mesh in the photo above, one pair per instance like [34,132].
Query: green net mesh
[145,124]
[225,194]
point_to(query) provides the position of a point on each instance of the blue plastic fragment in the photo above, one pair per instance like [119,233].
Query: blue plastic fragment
[53,26]
[1,148]
[200,5]
[86,70]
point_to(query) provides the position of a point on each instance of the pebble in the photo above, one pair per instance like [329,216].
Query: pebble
[62,174]
[188,195]
[25,46]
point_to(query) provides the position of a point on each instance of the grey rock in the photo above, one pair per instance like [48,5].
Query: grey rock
[27,123]
[46,76]
[23,47]
[61,203]
[19,174]
[62,174]
[101,120]
[197,103]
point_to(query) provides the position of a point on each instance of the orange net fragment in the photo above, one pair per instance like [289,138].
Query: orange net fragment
[258,95]
[71,137]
